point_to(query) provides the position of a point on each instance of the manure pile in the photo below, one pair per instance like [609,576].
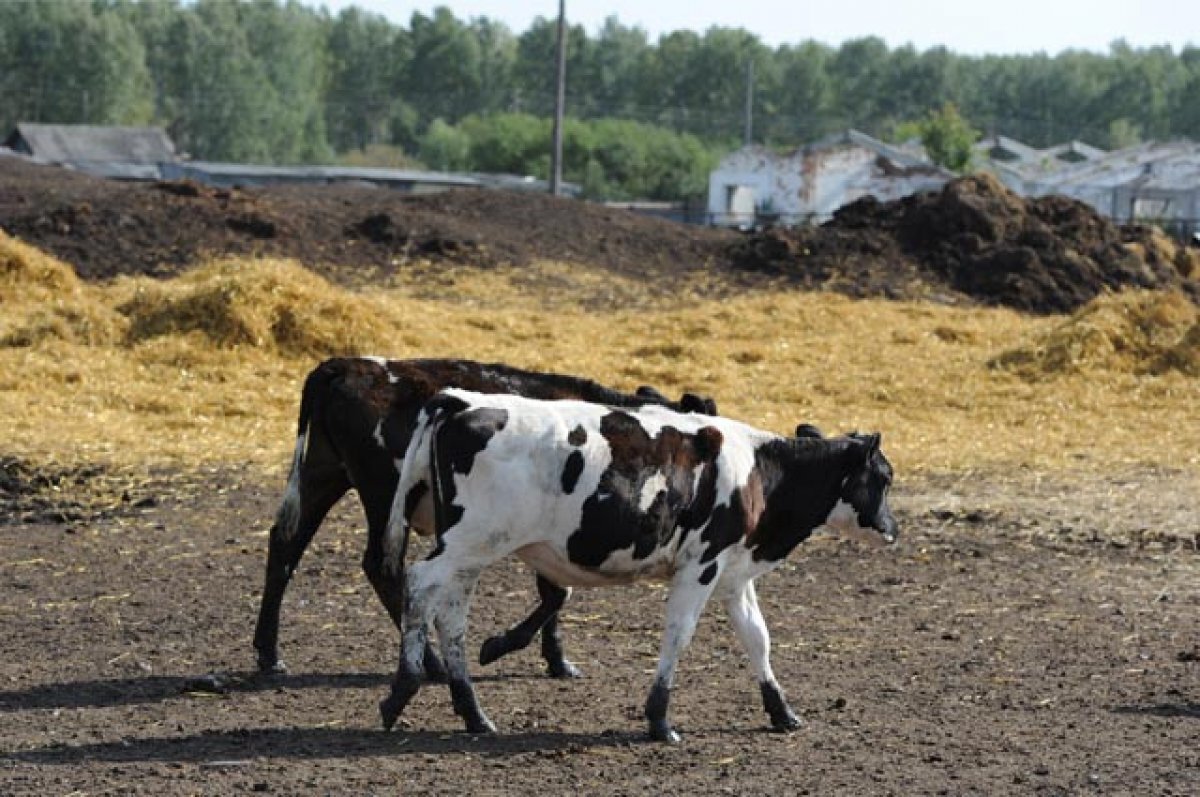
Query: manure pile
[974,238]
[974,242]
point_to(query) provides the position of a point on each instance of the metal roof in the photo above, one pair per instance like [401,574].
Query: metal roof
[1173,164]
[93,143]
[210,171]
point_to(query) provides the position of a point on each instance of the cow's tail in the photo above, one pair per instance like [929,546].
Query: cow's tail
[416,477]
[316,386]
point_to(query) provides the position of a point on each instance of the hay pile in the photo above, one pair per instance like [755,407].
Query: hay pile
[273,305]
[1154,247]
[43,300]
[1136,332]
[206,368]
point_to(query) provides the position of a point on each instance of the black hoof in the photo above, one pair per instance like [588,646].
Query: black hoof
[271,667]
[480,725]
[492,649]
[662,732]
[563,669]
[391,706]
[786,723]
[389,711]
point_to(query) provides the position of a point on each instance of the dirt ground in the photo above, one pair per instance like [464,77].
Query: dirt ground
[1037,639]
[1032,633]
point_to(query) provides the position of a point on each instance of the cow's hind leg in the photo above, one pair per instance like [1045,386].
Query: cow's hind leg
[439,593]
[751,629]
[452,629]
[420,602]
[312,490]
[389,585]
[544,617]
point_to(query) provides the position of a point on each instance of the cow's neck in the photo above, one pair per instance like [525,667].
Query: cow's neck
[801,484]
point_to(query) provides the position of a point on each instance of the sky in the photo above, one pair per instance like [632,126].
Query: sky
[967,27]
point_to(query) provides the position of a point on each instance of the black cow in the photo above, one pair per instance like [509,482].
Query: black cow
[593,495]
[356,416]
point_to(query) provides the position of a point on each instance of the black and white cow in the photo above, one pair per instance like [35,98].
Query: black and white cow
[356,417]
[592,495]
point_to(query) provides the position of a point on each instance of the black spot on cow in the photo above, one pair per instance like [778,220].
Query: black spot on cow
[613,518]
[578,436]
[571,471]
[463,434]
[709,574]
[725,527]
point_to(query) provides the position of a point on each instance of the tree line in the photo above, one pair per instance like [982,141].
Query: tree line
[274,81]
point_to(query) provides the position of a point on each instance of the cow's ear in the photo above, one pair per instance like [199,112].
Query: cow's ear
[647,392]
[872,443]
[808,430]
[690,402]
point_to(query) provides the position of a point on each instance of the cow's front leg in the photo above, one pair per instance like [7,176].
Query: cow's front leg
[752,630]
[689,592]
[452,631]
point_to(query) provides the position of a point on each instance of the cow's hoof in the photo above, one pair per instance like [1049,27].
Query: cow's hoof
[662,732]
[563,669]
[480,725]
[389,711]
[786,723]
[392,705]
[492,649]
[271,667]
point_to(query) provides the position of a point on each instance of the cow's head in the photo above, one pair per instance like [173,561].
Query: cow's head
[862,510]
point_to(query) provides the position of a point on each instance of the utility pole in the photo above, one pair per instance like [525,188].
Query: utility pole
[748,130]
[560,99]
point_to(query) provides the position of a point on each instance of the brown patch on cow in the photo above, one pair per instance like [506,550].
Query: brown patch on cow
[367,379]
[753,502]
[708,443]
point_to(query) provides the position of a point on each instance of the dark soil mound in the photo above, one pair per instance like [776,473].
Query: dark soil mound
[973,241]
[347,232]
[974,237]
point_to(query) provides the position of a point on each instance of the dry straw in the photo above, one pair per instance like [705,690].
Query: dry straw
[1138,332]
[206,368]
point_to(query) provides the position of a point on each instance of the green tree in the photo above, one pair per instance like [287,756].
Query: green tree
[508,143]
[71,62]
[361,100]
[859,71]
[804,95]
[288,43]
[948,138]
[497,61]
[445,148]
[443,76]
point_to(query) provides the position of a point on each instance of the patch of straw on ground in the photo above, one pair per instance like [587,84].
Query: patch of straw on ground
[206,369]
[1139,332]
